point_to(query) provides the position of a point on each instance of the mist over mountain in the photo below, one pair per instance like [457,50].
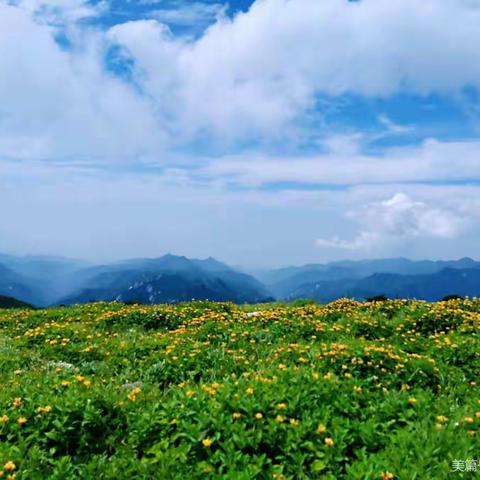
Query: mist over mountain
[44,281]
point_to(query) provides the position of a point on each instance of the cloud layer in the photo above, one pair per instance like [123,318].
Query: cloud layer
[253,77]
[233,119]
[261,71]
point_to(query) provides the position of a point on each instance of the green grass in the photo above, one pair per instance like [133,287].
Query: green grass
[203,390]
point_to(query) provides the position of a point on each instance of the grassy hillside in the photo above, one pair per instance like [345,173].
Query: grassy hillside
[347,390]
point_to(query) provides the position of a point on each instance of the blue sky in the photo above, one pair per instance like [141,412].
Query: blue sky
[263,133]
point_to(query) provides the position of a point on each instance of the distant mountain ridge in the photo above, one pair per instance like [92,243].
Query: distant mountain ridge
[431,287]
[44,281]
[398,277]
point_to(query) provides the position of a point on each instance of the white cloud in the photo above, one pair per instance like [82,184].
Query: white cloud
[61,11]
[251,78]
[392,127]
[363,241]
[256,74]
[401,216]
[433,160]
[57,104]
[397,219]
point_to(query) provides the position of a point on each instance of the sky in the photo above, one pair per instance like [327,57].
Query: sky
[263,133]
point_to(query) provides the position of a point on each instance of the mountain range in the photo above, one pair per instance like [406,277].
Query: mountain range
[393,278]
[45,280]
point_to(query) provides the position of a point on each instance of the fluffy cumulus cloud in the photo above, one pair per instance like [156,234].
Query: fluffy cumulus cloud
[402,216]
[253,77]
[397,219]
[259,72]
[58,104]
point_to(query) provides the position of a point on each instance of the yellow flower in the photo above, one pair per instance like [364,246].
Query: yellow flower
[282,406]
[249,391]
[259,416]
[412,400]
[236,415]
[132,396]
[329,442]
[279,418]
[17,402]
[468,419]
[4,419]
[321,428]
[46,409]
[65,384]
[387,476]
[10,466]
[22,421]
[294,422]
[442,419]
[207,442]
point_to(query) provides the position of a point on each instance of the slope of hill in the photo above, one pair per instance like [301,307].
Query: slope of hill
[9,302]
[17,286]
[38,279]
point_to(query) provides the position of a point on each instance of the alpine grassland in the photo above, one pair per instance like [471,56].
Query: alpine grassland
[348,390]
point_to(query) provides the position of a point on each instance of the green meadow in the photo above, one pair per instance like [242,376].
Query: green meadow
[347,390]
